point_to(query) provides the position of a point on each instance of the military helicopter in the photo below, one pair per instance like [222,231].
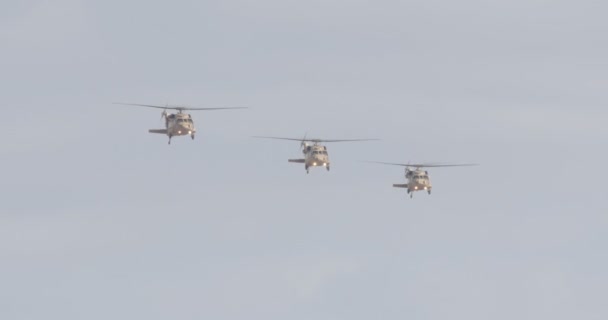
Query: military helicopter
[418,179]
[315,154]
[176,124]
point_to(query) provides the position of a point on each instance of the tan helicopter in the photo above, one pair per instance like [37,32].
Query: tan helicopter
[176,124]
[315,154]
[418,179]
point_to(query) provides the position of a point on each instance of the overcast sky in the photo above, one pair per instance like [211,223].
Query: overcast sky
[101,220]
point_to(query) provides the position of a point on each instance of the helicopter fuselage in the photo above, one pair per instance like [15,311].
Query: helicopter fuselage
[179,124]
[315,156]
[417,180]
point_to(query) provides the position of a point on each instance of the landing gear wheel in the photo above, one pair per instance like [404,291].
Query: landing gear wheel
[192,137]
[411,195]
[307,171]
[429,191]
[327,168]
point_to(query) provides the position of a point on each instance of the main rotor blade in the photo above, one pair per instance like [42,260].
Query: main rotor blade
[340,140]
[142,105]
[208,109]
[314,140]
[175,107]
[425,165]
[279,138]
[388,163]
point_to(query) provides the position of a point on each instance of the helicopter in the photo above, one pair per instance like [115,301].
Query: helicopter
[176,124]
[315,154]
[418,179]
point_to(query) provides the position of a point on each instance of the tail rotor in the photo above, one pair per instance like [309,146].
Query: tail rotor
[303,143]
[164,115]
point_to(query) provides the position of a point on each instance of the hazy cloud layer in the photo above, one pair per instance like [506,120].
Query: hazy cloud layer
[100,219]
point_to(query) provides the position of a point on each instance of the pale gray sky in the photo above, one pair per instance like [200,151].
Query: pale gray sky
[100,219]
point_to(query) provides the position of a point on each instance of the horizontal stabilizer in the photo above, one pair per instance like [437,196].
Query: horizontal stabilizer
[400,186]
[297,160]
[161,131]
